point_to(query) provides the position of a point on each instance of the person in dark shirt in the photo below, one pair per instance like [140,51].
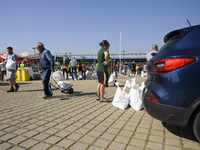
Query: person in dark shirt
[47,65]
[133,67]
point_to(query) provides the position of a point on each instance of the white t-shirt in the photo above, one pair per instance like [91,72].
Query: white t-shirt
[149,56]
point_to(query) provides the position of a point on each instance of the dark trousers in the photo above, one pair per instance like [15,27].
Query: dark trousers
[46,83]
[73,69]
[2,74]
[83,76]
[65,70]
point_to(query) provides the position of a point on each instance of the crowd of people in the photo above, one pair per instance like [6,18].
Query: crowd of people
[104,68]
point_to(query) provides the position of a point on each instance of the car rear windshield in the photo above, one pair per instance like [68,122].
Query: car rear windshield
[172,38]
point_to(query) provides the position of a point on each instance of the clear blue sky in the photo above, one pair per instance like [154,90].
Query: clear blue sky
[80,25]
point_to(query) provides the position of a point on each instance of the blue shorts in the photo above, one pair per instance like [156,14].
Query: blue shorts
[102,77]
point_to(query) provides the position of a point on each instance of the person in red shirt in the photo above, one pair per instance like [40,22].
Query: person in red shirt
[84,68]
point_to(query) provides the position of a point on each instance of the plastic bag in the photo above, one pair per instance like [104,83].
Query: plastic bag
[111,79]
[58,76]
[10,65]
[142,73]
[120,100]
[142,86]
[136,101]
[64,85]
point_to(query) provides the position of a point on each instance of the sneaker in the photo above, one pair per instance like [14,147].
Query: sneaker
[104,100]
[11,90]
[98,98]
[47,96]
[16,87]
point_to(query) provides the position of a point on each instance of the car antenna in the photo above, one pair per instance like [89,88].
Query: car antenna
[188,22]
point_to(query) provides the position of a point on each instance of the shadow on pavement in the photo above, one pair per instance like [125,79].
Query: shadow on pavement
[184,132]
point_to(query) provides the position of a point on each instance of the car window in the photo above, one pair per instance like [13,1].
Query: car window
[168,45]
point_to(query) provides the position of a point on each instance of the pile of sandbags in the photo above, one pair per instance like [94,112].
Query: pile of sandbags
[122,100]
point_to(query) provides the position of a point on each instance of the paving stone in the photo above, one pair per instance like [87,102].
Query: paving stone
[65,143]
[11,129]
[41,146]
[51,131]
[62,133]
[52,139]
[56,148]
[122,139]
[117,146]
[108,136]
[74,136]
[5,146]
[20,131]
[41,136]
[96,148]
[29,143]
[102,143]
[95,133]
[30,133]
[17,140]
[140,136]
[16,148]
[173,142]
[170,147]
[79,145]
[154,138]
[155,146]
[87,139]
[7,137]
[191,145]
[137,143]
[130,147]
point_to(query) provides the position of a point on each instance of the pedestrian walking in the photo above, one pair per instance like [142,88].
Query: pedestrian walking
[47,65]
[129,68]
[102,69]
[115,68]
[3,69]
[10,74]
[73,64]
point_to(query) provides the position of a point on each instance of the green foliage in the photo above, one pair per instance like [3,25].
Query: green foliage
[83,60]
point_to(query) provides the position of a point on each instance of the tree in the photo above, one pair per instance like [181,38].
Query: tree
[66,58]
[83,60]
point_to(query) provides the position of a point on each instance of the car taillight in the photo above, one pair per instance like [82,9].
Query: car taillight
[153,98]
[169,64]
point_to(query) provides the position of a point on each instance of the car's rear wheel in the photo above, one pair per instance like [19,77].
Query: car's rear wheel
[196,126]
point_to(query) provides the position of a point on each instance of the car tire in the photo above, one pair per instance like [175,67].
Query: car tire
[196,126]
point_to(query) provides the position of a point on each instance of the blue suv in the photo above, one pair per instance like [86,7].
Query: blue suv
[172,92]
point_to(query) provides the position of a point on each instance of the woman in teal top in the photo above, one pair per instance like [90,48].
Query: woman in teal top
[102,69]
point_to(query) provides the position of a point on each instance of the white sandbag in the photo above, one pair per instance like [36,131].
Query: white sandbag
[142,73]
[88,74]
[142,86]
[133,90]
[63,84]
[58,76]
[136,101]
[10,65]
[127,84]
[120,100]
[111,79]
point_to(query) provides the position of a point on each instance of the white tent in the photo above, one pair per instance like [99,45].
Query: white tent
[24,54]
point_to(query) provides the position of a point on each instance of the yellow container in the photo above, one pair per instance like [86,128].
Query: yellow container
[25,75]
[18,75]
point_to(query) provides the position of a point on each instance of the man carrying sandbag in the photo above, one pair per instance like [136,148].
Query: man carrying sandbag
[11,68]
